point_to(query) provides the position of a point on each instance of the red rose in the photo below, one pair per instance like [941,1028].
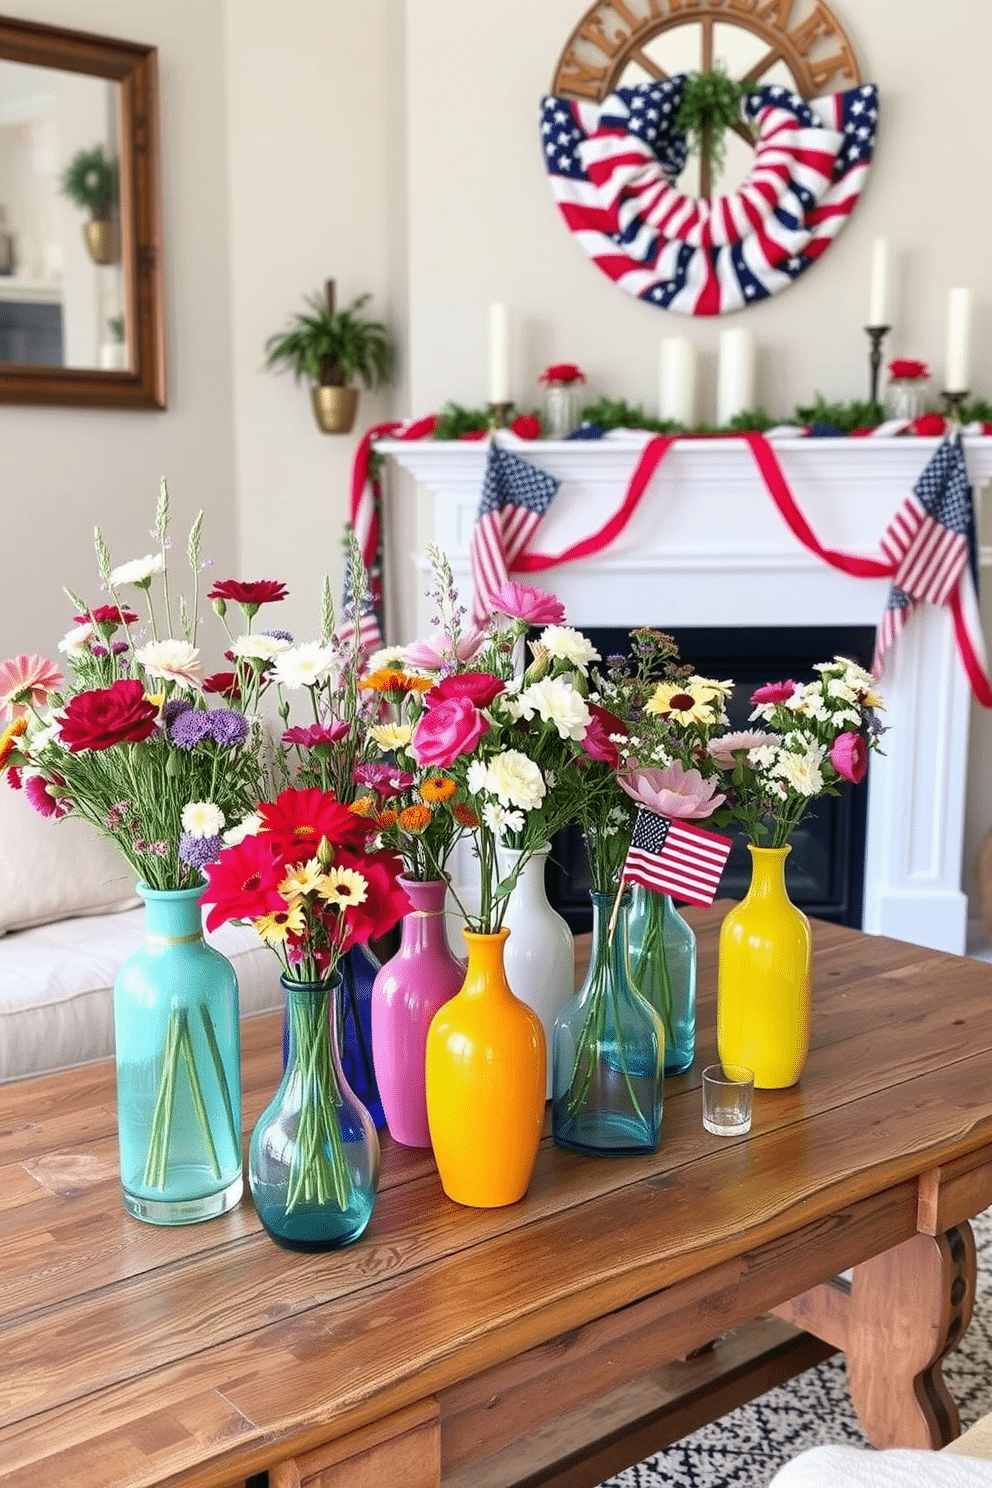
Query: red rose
[444,732]
[905,367]
[929,425]
[526,427]
[250,593]
[562,372]
[597,742]
[479,687]
[119,714]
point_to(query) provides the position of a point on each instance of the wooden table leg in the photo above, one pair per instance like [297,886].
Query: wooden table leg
[908,1308]
[901,1315]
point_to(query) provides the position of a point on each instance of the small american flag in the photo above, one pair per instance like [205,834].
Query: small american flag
[676,857]
[931,542]
[515,497]
[369,628]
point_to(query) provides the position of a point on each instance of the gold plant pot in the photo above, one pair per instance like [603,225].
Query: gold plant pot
[102,240]
[334,408]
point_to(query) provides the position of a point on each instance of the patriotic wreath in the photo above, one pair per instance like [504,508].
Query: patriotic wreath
[613,168]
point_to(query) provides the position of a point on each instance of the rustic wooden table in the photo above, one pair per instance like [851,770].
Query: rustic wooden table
[480,1345]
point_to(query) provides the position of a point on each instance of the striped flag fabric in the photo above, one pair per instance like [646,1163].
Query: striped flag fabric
[613,170]
[931,544]
[676,857]
[515,496]
[369,628]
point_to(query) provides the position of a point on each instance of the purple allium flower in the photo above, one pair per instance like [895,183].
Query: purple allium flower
[173,708]
[159,849]
[227,726]
[196,852]
[190,728]
[279,635]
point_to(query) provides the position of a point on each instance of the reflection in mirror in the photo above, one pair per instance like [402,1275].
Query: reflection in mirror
[61,286]
[80,266]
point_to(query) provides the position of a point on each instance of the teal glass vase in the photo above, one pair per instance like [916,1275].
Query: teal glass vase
[663,970]
[178,1047]
[313,1162]
[609,1050]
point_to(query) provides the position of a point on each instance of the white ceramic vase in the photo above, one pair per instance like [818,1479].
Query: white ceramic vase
[539,956]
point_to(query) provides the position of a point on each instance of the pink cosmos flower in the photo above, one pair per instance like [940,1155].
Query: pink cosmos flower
[722,750]
[524,602]
[454,727]
[44,798]
[441,650]
[26,679]
[849,756]
[674,791]
[774,692]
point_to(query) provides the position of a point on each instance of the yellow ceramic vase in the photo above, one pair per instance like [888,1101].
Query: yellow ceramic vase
[763,991]
[485,1078]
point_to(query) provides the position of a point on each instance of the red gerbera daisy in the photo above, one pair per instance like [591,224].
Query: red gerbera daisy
[244,881]
[249,593]
[297,820]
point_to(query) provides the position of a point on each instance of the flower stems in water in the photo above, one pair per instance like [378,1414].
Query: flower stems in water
[650,973]
[318,1168]
[179,1046]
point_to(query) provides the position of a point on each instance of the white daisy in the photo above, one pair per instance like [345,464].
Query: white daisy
[392,736]
[76,640]
[259,647]
[203,819]
[500,821]
[246,827]
[173,661]
[139,571]
[802,771]
[305,666]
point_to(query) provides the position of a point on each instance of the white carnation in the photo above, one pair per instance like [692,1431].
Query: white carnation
[564,643]
[515,780]
[138,571]
[802,771]
[500,821]
[76,641]
[556,701]
[259,647]
[173,661]
[477,777]
[247,827]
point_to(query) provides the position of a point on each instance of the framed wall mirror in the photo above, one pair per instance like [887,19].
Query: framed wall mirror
[80,219]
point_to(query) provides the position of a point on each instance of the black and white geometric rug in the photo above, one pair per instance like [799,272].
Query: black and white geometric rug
[747,1447]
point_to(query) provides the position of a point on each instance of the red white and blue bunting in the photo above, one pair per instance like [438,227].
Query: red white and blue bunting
[613,168]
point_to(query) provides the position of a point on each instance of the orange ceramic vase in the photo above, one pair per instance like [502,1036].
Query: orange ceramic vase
[485,1077]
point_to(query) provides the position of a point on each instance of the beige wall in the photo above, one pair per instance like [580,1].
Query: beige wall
[63,470]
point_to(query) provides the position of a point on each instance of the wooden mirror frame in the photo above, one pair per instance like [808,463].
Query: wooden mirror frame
[135,69]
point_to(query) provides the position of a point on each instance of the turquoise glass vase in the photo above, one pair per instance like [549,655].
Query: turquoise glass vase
[663,970]
[609,1050]
[313,1162]
[178,1046]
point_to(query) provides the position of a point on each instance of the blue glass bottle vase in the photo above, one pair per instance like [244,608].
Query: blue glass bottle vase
[609,1051]
[313,1162]
[178,1046]
[663,970]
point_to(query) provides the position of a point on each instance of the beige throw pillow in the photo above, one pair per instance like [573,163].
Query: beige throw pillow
[55,870]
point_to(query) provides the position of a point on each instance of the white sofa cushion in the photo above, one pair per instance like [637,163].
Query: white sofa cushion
[854,1467]
[56,870]
[56,987]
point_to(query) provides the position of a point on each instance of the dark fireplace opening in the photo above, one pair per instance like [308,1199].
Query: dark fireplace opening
[825,869]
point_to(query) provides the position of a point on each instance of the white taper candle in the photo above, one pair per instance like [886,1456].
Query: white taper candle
[958,341]
[735,378]
[878,299]
[677,381]
[499,354]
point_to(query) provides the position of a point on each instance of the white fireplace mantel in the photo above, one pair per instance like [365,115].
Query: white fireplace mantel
[707,546]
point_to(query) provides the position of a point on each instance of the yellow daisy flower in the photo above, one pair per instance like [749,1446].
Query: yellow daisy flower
[391,736]
[9,738]
[300,880]
[681,701]
[277,927]
[343,887]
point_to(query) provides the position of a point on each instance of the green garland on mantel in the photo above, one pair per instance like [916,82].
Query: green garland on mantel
[455,421]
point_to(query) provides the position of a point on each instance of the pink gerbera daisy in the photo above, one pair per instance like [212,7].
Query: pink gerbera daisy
[44,797]
[26,680]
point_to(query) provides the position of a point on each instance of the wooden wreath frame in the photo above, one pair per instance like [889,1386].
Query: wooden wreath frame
[611,36]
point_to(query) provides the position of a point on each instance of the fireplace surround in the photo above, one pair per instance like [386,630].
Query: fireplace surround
[706,547]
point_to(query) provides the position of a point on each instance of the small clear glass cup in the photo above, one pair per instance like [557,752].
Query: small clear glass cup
[728,1095]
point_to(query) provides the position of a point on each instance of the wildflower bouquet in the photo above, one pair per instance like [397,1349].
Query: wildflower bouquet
[815,735]
[307,882]
[131,742]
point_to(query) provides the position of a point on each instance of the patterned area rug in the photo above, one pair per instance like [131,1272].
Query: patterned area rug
[748,1446]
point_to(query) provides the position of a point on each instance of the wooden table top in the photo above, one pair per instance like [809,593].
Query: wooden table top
[134,1355]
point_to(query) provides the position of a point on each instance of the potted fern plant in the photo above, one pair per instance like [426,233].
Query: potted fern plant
[90,181]
[331,349]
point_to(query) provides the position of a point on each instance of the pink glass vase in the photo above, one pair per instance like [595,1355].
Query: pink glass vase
[406,994]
